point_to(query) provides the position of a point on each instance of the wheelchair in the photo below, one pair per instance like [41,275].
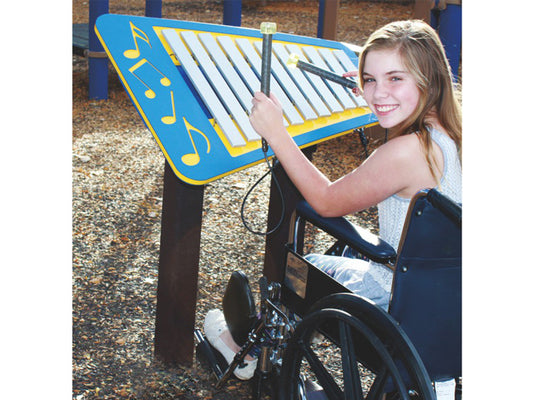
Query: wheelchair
[317,340]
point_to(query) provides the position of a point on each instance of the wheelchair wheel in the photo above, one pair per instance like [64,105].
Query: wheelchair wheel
[364,354]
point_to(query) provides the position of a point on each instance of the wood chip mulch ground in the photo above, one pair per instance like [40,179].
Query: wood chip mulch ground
[117,173]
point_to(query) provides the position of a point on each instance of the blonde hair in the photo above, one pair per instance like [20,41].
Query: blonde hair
[424,56]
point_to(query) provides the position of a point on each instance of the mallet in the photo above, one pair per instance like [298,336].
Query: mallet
[267,29]
[294,61]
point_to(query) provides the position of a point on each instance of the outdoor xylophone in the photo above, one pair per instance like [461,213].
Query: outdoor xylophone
[192,83]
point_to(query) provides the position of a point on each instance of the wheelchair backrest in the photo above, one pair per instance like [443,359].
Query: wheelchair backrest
[426,291]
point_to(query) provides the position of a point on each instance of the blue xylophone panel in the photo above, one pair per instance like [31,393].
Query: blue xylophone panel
[188,134]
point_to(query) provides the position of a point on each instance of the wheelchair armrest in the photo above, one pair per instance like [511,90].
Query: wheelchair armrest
[356,237]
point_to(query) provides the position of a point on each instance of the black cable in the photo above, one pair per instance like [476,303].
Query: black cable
[282,217]
[363,139]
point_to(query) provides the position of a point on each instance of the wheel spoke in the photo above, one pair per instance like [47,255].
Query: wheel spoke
[391,368]
[377,390]
[333,391]
[352,380]
[384,355]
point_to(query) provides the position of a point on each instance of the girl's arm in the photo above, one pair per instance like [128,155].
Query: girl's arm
[386,172]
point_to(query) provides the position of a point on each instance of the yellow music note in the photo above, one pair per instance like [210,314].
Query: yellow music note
[149,92]
[170,119]
[137,34]
[194,158]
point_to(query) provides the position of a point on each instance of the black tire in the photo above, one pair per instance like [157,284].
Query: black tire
[372,354]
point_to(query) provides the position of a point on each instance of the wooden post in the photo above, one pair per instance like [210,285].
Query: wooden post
[274,263]
[181,223]
[422,10]
[327,19]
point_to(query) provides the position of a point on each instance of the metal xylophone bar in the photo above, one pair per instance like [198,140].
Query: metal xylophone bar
[225,72]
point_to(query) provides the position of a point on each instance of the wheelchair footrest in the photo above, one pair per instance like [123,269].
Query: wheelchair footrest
[207,354]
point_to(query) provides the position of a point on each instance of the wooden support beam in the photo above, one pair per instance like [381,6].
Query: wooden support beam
[422,10]
[327,19]
[177,287]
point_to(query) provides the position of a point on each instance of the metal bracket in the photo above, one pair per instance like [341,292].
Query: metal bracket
[94,54]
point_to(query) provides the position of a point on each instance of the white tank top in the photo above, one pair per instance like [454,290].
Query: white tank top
[393,210]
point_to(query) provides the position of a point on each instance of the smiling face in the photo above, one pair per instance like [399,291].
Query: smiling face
[389,88]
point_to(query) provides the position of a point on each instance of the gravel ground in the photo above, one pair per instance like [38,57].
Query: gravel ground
[117,173]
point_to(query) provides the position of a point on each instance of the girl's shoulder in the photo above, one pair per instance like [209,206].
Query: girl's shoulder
[411,144]
[403,147]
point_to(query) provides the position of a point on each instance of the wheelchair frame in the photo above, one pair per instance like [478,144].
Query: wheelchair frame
[416,343]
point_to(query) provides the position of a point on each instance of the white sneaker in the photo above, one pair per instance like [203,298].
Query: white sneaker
[445,390]
[214,325]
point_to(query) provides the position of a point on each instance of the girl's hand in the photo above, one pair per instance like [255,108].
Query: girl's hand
[355,73]
[351,73]
[267,115]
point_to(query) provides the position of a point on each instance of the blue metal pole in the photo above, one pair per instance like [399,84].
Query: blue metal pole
[98,71]
[448,24]
[232,12]
[153,8]
[320,26]
[450,32]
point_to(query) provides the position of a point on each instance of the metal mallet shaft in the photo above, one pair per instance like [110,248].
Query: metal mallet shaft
[294,61]
[267,29]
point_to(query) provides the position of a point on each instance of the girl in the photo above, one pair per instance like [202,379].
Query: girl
[406,80]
